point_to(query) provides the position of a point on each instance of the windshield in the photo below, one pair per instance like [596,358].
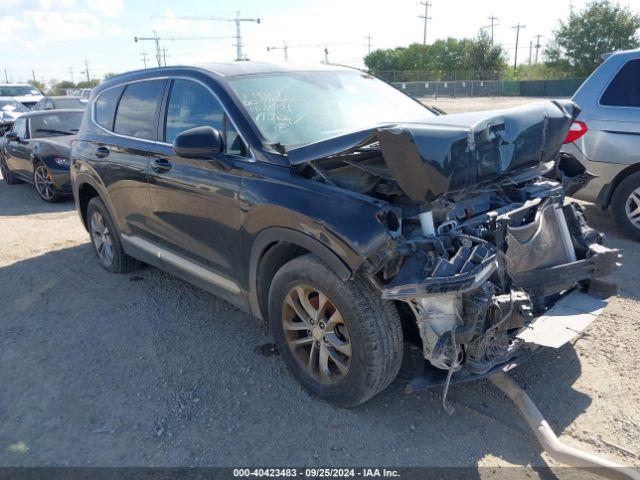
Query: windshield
[18,91]
[55,124]
[298,108]
[70,102]
[12,106]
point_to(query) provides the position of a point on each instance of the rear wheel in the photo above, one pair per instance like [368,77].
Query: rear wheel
[44,186]
[105,239]
[7,175]
[625,206]
[339,339]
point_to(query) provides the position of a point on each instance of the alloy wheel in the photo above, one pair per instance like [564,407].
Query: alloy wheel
[316,334]
[632,207]
[42,180]
[101,239]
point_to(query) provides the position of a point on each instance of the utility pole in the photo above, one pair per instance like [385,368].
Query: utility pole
[238,21]
[71,73]
[326,55]
[284,48]
[537,45]
[144,59]
[493,19]
[530,51]
[86,69]
[164,56]
[33,74]
[238,37]
[426,17]
[368,39]
[6,77]
[515,59]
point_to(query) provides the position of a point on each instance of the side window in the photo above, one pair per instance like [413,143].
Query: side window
[191,105]
[105,107]
[20,127]
[49,105]
[233,142]
[136,113]
[624,89]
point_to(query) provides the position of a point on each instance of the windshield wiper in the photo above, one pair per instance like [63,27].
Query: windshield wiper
[50,130]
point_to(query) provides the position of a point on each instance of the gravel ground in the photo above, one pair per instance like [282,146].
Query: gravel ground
[144,369]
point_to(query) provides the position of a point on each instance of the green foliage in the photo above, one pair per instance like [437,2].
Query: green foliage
[473,58]
[39,85]
[578,44]
[61,87]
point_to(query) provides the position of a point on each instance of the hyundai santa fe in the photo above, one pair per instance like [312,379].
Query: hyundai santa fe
[340,210]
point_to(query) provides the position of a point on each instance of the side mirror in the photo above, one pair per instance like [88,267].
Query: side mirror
[199,142]
[12,137]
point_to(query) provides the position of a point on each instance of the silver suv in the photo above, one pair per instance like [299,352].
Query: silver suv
[605,139]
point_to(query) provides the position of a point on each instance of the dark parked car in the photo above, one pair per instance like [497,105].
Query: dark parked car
[61,103]
[336,207]
[36,150]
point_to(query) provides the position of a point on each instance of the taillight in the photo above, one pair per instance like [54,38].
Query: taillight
[576,130]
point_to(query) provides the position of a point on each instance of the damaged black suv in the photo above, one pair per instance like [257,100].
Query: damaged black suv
[332,205]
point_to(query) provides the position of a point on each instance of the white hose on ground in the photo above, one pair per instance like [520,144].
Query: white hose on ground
[552,445]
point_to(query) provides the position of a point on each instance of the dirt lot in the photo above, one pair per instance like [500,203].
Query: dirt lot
[144,369]
[471,104]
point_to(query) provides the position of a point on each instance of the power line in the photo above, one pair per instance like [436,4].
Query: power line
[426,19]
[515,60]
[368,39]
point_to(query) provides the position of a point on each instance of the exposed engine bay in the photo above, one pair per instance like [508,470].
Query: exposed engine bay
[482,240]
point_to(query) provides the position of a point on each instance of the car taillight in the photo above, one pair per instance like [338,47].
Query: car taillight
[576,130]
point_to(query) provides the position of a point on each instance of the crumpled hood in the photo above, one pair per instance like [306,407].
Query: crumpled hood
[9,116]
[456,152]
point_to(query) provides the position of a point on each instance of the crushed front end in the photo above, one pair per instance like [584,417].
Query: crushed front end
[485,250]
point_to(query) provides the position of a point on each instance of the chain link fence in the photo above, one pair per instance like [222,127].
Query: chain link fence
[491,88]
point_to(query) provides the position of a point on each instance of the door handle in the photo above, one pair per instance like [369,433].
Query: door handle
[102,152]
[160,165]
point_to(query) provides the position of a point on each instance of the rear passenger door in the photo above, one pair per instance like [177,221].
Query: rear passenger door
[616,126]
[196,206]
[121,158]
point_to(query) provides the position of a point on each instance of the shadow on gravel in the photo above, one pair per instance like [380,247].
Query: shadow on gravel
[25,201]
[144,369]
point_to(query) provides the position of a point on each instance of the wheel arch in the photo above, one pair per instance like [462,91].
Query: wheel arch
[275,246]
[606,195]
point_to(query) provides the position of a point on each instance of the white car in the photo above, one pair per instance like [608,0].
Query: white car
[10,109]
[26,94]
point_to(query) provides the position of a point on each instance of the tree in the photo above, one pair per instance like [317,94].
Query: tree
[39,85]
[579,43]
[442,60]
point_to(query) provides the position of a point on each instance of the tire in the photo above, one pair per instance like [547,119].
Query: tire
[372,328]
[107,239]
[45,189]
[8,176]
[625,204]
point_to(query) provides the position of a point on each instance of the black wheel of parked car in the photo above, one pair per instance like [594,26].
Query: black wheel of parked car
[42,181]
[339,339]
[625,205]
[8,176]
[105,239]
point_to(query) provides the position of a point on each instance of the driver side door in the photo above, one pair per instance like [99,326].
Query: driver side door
[19,151]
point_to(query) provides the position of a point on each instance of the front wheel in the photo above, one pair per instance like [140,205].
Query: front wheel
[625,206]
[339,339]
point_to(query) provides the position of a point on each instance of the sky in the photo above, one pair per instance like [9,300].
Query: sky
[55,37]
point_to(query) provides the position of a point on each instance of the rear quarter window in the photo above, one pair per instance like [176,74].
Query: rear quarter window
[624,89]
[105,107]
[136,113]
